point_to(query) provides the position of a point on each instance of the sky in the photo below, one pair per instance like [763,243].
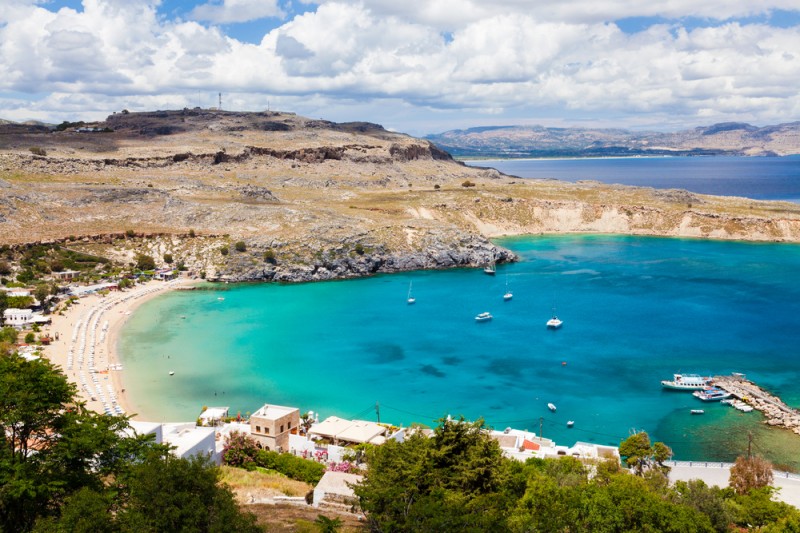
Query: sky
[416,66]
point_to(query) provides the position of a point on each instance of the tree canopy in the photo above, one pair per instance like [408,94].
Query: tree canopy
[457,480]
[64,468]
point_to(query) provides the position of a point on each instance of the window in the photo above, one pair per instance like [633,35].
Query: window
[281,428]
[266,430]
[290,425]
[258,429]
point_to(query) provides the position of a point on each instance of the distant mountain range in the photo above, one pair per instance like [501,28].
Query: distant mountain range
[727,138]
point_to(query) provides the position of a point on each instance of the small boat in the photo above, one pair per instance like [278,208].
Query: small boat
[508,295]
[483,317]
[220,298]
[490,269]
[570,423]
[686,382]
[552,407]
[697,411]
[712,394]
[410,298]
[555,322]
[171,372]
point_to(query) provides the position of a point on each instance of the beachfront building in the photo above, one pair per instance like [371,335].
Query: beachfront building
[20,318]
[66,275]
[213,416]
[341,431]
[522,445]
[186,438]
[271,426]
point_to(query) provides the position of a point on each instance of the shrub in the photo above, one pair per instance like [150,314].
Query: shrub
[240,246]
[437,186]
[292,467]
[240,450]
[38,150]
[30,338]
[168,259]
[467,183]
[192,233]
[269,256]
[360,249]
[129,233]
[224,250]
[145,262]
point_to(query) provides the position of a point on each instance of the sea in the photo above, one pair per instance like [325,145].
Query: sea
[635,311]
[760,178]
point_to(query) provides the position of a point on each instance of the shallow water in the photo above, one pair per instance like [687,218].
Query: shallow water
[635,310]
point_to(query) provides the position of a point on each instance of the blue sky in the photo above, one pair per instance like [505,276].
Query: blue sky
[414,66]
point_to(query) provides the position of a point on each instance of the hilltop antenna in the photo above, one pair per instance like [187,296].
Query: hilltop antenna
[220,102]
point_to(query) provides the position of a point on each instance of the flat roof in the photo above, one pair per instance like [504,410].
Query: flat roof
[274,411]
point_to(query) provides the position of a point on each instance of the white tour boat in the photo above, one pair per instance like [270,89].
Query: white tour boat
[687,382]
[552,407]
[483,317]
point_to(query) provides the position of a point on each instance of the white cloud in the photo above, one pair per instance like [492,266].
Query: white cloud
[229,11]
[384,58]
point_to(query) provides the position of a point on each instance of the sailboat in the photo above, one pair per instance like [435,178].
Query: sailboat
[508,295]
[490,269]
[410,299]
[555,322]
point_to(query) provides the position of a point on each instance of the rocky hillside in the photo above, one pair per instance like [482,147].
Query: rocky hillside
[731,138]
[309,199]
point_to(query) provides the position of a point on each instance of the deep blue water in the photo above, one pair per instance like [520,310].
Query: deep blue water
[635,310]
[760,178]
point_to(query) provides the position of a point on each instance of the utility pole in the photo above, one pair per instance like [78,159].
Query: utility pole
[378,411]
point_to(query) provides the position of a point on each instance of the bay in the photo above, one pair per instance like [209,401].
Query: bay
[759,178]
[635,310]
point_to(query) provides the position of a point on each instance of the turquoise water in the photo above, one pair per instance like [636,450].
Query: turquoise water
[635,310]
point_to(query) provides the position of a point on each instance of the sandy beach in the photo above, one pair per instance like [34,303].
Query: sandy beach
[85,340]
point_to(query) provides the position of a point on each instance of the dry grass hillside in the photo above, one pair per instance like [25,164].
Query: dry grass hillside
[312,199]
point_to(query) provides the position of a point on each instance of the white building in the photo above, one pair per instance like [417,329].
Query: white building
[213,416]
[186,438]
[20,318]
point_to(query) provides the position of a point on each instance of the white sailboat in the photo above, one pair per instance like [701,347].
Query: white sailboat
[508,295]
[490,269]
[410,298]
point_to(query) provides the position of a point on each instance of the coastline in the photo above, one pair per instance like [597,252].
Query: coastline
[86,349]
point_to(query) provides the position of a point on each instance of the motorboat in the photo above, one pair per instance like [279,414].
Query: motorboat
[712,394]
[554,323]
[552,407]
[697,411]
[483,317]
[687,382]
[171,372]
[570,423]
[508,295]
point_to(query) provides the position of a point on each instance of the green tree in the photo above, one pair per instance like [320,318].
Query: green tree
[168,259]
[450,482]
[328,525]
[223,250]
[640,455]
[145,262]
[240,246]
[171,494]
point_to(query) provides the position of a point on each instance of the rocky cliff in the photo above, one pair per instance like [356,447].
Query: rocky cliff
[314,200]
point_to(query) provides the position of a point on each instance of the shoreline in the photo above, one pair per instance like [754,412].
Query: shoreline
[86,349]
